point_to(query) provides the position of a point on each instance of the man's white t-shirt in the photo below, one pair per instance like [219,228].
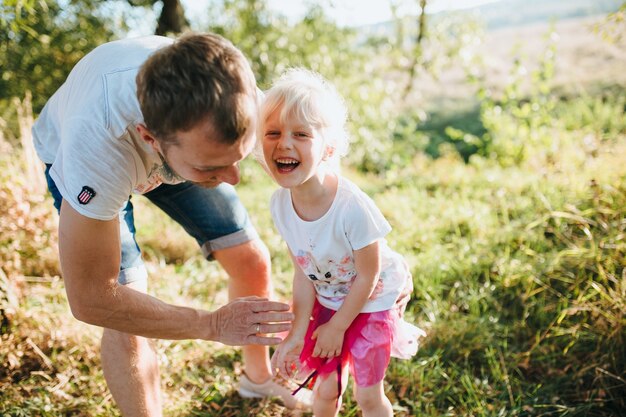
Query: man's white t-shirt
[87,131]
[324,248]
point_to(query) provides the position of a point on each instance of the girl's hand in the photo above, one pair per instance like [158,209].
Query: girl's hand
[329,340]
[286,357]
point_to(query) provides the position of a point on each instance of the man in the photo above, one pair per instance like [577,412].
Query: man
[170,120]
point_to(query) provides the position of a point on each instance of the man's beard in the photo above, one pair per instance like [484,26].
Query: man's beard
[168,173]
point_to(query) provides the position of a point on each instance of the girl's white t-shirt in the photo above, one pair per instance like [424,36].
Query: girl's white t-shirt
[87,131]
[324,248]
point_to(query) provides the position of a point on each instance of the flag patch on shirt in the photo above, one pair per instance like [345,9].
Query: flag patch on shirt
[85,195]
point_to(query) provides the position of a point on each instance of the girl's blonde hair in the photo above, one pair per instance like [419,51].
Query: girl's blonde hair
[308,97]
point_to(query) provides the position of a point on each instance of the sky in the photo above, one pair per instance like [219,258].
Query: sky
[346,12]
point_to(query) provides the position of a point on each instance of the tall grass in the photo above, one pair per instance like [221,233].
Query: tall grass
[519,281]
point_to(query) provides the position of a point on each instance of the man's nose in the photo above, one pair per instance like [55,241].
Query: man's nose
[230,175]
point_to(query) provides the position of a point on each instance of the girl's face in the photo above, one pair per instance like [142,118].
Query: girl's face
[293,150]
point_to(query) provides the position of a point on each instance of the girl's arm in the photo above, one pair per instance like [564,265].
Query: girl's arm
[288,352]
[330,336]
[303,300]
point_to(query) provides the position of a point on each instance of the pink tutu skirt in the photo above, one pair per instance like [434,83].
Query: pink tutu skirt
[369,342]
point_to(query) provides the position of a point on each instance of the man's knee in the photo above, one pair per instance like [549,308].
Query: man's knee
[257,251]
[248,267]
[252,256]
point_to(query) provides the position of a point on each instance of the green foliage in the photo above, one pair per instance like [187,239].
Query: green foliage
[40,42]
[387,118]
[602,116]
[526,120]
[274,44]
[519,277]
[514,232]
[609,29]
[511,268]
[519,125]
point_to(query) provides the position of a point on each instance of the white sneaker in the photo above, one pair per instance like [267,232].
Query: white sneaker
[276,387]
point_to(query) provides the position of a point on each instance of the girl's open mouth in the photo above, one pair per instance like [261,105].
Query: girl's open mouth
[286,164]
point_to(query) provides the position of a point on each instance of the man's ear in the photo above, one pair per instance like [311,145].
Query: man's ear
[148,137]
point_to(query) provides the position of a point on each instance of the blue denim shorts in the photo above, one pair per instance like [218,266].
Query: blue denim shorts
[215,217]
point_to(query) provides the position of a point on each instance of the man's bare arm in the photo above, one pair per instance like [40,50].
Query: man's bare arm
[90,258]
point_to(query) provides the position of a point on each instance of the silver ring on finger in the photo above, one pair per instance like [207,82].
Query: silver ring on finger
[258,328]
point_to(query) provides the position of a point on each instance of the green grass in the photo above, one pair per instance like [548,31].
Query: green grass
[519,281]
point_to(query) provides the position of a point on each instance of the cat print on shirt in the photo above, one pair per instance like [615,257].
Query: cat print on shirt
[332,279]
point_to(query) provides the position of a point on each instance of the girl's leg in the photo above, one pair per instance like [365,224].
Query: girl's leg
[372,401]
[325,402]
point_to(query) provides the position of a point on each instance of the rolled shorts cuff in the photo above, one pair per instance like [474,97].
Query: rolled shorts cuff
[133,274]
[228,241]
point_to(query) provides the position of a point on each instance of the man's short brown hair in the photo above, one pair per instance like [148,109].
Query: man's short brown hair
[199,76]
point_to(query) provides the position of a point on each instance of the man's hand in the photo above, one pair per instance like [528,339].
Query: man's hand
[243,321]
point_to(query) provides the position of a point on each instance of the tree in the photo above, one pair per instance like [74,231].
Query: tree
[40,42]
[172,19]
[272,43]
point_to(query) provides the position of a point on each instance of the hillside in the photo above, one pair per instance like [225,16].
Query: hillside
[526,12]
[530,12]
[584,61]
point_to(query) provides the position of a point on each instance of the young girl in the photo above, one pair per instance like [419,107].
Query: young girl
[350,290]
